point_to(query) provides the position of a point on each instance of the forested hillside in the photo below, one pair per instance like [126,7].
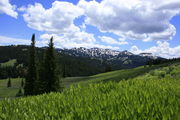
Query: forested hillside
[70,63]
[71,66]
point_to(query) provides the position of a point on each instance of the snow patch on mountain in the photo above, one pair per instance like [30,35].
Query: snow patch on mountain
[103,53]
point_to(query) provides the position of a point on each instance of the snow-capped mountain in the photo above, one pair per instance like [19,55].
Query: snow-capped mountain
[100,53]
[117,59]
[92,52]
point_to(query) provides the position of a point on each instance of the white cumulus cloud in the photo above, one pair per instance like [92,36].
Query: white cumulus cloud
[7,8]
[133,19]
[57,19]
[4,40]
[112,41]
[162,49]
[145,20]
[65,41]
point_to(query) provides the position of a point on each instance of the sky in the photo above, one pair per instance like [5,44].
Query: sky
[151,26]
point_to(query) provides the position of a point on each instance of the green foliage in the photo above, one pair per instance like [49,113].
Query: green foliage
[115,76]
[66,82]
[32,73]
[41,83]
[146,97]
[43,79]
[8,71]
[119,75]
[175,72]
[49,70]
[64,71]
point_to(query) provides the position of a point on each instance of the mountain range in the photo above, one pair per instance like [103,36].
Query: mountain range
[99,53]
[117,59]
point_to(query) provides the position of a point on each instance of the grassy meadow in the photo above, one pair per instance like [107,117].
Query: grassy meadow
[154,94]
[9,91]
[66,82]
[9,63]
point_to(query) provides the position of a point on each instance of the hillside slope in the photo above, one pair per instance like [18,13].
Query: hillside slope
[9,92]
[117,59]
[80,61]
[154,95]
[115,76]
[66,82]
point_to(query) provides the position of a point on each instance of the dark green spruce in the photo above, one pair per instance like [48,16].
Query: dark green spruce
[29,88]
[64,71]
[50,74]
[41,84]
[22,83]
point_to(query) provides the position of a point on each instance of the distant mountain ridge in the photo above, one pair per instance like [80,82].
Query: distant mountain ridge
[100,53]
[116,59]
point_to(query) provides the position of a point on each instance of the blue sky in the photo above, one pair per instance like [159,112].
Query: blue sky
[134,25]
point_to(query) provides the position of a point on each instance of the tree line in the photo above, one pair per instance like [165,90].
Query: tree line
[42,74]
[9,72]
[67,65]
[163,61]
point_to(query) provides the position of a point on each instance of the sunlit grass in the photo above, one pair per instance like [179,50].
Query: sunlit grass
[147,97]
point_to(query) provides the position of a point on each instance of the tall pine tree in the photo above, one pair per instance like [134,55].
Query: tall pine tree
[50,74]
[64,71]
[41,83]
[31,75]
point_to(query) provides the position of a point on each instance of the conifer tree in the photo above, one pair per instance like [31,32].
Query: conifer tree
[64,71]
[22,83]
[41,84]
[50,75]
[31,75]
[9,83]
[20,93]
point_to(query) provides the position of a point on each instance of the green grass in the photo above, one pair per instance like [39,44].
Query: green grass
[152,96]
[12,91]
[66,82]
[16,85]
[116,76]
[9,63]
